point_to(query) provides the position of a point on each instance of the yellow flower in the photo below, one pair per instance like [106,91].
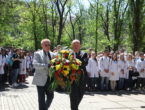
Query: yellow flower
[66,70]
[64,51]
[57,67]
[53,60]
[65,73]
[74,67]
[78,62]
[71,57]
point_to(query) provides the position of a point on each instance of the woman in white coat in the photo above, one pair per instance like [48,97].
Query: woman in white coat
[28,62]
[130,70]
[22,74]
[93,72]
[140,65]
[114,74]
[122,66]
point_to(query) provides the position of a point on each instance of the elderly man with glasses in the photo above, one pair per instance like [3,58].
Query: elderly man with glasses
[41,80]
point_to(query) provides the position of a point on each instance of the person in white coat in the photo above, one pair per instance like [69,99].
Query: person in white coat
[141,69]
[130,70]
[22,74]
[122,71]
[114,73]
[28,62]
[93,72]
[104,64]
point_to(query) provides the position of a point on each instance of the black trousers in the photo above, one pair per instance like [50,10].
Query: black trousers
[94,83]
[140,82]
[1,79]
[45,96]
[6,70]
[77,92]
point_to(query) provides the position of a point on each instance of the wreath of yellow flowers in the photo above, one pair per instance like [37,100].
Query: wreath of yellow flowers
[64,70]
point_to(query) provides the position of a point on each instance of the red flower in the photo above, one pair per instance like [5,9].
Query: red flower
[65,55]
[79,71]
[73,77]
[57,62]
[66,63]
[73,71]
[77,63]
[59,71]
[56,74]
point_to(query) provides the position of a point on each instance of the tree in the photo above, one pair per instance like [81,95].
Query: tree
[61,8]
[33,10]
[113,23]
[45,18]
[119,13]
[106,22]
[54,18]
[96,7]
[137,24]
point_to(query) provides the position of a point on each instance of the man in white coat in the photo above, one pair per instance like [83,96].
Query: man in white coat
[41,79]
[93,72]
[122,66]
[104,67]
[141,69]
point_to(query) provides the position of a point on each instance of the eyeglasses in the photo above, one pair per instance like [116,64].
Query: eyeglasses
[47,45]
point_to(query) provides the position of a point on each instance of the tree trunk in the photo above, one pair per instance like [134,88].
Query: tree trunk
[45,21]
[34,27]
[137,17]
[80,30]
[53,25]
[72,26]
[60,5]
[106,24]
[60,31]
[34,32]
[96,32]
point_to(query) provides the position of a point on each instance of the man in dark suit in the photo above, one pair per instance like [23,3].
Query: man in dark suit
[41,62]
[78,89]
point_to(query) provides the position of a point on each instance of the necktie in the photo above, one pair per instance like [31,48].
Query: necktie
[76,54]
[49,55]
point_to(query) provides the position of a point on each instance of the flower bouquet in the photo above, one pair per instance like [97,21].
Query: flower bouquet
[64,70]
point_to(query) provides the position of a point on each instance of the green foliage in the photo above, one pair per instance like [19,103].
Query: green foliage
[23,24]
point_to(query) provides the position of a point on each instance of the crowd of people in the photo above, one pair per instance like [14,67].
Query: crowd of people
[107,71]
[116,71]
[15,66]
[103,71]
[111,71]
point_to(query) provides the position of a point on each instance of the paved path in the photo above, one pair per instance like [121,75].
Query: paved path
[25,98]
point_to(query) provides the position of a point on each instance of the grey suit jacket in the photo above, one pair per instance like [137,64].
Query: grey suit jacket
[40,63]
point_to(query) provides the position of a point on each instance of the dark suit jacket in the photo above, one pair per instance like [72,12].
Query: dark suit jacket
[83,57]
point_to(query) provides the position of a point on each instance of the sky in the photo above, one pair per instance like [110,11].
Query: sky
[85,2]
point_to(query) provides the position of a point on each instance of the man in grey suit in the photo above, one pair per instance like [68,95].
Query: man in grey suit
[41,80]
